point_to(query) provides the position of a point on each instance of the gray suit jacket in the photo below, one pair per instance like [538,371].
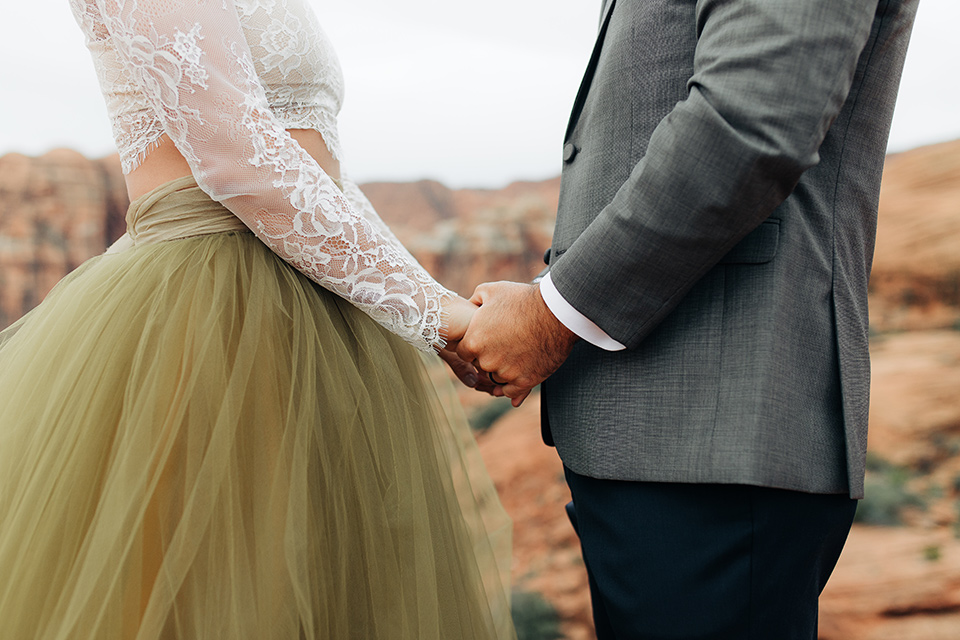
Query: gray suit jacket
[717,215]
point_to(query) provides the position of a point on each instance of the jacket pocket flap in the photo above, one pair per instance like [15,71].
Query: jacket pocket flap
[757,247]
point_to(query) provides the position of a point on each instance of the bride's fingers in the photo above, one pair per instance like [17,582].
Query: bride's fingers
[459,313]
[467,373]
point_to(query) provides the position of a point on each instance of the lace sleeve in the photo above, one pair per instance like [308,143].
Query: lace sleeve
[191,60]
[364,207]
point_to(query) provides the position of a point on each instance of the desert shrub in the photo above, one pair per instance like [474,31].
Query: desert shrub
[947,446]
[484,417]
[934,492]
[908,297]
[878,464]
[886,494]
[932,553]
[534,617]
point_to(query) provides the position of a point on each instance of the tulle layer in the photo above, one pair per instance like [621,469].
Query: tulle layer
[197,442]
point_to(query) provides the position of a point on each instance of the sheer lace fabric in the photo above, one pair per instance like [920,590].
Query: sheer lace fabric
[225,79]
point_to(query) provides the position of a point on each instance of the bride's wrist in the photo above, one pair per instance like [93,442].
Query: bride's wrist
[457,314]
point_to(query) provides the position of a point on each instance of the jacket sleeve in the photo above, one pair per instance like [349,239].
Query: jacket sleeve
[192,62]
[769,78]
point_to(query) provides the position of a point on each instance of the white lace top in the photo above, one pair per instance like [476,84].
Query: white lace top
[225,79]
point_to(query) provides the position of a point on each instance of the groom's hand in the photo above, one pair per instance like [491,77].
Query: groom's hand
[515,337]
[459,312]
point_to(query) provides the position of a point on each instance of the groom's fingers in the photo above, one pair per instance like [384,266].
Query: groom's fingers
[486,386]
[498,339]
[514,335]
[516,394]
[480,293]
[486,333]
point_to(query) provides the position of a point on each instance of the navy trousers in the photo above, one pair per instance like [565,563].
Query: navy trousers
[706,562]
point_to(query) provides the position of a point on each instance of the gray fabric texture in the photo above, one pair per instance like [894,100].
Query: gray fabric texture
[719,219]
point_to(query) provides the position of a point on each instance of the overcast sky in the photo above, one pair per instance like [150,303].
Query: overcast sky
[469,93]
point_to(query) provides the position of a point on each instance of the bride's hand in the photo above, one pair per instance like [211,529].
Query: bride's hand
[460,311]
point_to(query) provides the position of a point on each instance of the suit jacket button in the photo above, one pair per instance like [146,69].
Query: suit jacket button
[569,152]
[546,256]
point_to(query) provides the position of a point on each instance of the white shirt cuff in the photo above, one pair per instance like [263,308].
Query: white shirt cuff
[573,319]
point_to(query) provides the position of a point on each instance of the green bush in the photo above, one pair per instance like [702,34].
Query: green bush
[955,485]
[879,464]
[484,417]
[932,553]
[886,494]
[534,617]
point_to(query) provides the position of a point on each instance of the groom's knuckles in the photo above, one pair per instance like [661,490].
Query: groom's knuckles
[475,340]
[468,349]
[518,398]
[525,381]
[517,393]
[479,294]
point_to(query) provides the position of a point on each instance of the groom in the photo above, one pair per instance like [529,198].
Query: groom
[704,320]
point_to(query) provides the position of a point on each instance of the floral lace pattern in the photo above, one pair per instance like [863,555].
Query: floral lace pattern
[225,79]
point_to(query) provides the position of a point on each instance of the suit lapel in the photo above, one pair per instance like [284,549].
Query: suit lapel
[604,12]
[591,68]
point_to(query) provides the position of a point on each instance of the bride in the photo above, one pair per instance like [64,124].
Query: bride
[219,428]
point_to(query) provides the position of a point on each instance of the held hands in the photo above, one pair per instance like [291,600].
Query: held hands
[460,312]
[512,335]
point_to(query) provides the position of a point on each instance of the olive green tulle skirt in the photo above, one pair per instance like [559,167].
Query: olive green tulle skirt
[198,442]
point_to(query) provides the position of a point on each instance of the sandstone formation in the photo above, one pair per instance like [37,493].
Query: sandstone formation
[470,236]
[916,276]
[55,212]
